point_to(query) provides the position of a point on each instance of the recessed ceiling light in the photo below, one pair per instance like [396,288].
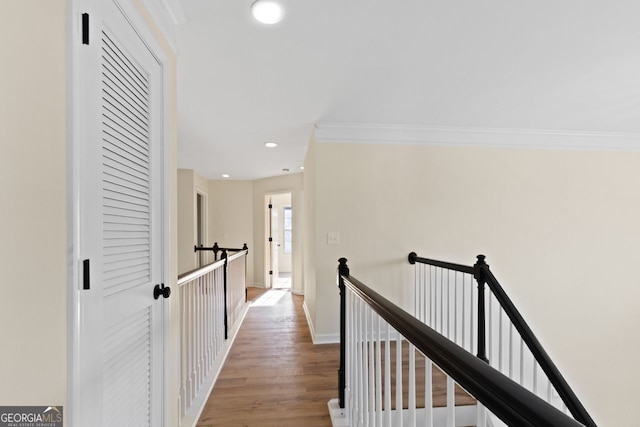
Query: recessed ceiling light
[301,168]
[270,144]
[225,175]
[267,11]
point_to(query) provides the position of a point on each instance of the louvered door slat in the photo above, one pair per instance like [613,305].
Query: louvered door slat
[132,77]
[117,135]
[116,109]
[121,153]
[124,99]
[126,376]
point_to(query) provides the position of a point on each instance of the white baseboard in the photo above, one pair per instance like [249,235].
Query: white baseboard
[256,285]
[464,416]
[319,338]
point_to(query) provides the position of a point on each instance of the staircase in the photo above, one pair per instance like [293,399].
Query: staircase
[459,360]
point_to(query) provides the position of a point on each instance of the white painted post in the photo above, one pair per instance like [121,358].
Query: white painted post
[387,377]
[451,402]
[412,386]
[398,382]
[481,415]
[378,407]
[428,392]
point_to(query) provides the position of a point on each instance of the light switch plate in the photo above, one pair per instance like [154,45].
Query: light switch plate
[333,238]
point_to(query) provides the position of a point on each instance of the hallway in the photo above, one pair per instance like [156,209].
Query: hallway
[274,375]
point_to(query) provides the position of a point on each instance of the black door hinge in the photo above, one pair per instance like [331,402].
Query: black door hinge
[85,28]
[86,275]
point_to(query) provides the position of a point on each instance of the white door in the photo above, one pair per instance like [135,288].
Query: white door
[120,152]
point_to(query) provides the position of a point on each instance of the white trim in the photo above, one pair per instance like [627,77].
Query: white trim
[476,137]
[464,415]
[319,339]
[338,416]
[74,42]
[168,14]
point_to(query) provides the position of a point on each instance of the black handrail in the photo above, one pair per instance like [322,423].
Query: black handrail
[413,258]
[215,249]
[223,262]
[483,275]
[509,401]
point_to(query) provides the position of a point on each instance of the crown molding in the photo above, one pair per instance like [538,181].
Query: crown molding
[475,137]
[168,14]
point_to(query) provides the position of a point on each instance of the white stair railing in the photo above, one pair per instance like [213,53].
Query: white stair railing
[451,299]
[389,361]
[446,300]
[212,300]
[389,382]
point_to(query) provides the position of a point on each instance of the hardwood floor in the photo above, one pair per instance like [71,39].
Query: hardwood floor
[274,375]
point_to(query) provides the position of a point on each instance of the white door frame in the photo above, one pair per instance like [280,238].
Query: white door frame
[268,279]
[75,10]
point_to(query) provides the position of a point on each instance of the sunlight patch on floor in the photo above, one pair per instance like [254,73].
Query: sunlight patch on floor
[270,298]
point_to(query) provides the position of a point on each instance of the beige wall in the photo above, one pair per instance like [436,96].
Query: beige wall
[309,244]
[560,230]
[190,184]
[231,216]
[33,203]
[186,220]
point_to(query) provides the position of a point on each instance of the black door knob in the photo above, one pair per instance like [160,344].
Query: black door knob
[161,290]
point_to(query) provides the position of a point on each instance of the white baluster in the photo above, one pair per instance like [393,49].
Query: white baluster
[521,362]
[183,352]
[451,402]
[500,336]
[510,350]
[398,381]
[387,377]
[428,392]
[441,329]
[472,318]
[535,377]
[371,383]
[362,374]
[481,415]
[412,386]
[378,407]
[455,307]
[464,312]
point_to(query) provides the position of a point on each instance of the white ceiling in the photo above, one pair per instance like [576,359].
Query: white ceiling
[552,65]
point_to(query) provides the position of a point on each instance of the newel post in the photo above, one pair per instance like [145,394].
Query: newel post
[225,275]
[478,274]
[343,270]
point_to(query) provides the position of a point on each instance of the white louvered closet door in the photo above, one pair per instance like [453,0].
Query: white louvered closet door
[121,325]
